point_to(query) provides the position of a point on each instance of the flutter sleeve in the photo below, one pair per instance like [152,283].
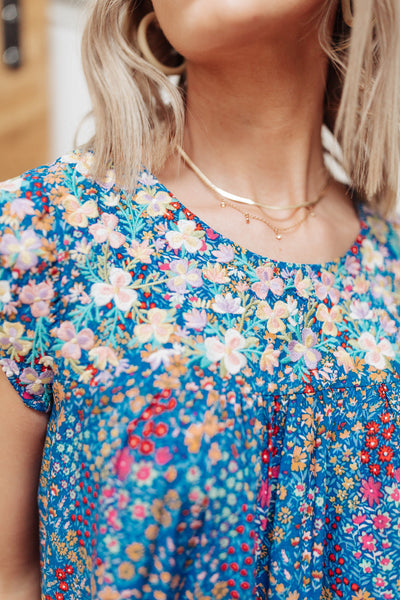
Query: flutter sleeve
[29,277]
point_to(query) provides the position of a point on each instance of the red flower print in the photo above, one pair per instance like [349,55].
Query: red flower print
[372,442]
[371,491]
[385,417]
[365,457]
[374,469]
[146,447]
[69,570]
[388,432]
[60,574]
[372,427]
[385,453]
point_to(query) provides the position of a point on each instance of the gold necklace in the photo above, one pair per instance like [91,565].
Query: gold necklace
[228,196]
[224,198]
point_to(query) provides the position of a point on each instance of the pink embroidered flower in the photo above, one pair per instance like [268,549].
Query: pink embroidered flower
[228,352]
[117,290]
[39,297]
[268,283]
[105,231]
[75,342]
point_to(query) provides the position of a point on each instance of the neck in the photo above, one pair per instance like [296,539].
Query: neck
[254,124]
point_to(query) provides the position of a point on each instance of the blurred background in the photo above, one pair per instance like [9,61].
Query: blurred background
[43,95]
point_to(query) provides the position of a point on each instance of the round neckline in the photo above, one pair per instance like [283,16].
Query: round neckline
[353,249]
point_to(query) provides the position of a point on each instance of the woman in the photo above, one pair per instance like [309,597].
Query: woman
[214,375]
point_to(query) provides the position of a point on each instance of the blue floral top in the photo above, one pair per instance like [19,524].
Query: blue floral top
[221,425]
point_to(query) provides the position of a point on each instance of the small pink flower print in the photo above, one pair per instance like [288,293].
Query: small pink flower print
[371,491]
[381,521]
[117,290]
[36,381]
[123,464]
[305,349]
[105,231]
[376,352]
[163,456]
[368,542]
[264,495]
[22,252]
[358,519]
[268,283]
[183,274]
[39,297]
[75,341]
[228,352]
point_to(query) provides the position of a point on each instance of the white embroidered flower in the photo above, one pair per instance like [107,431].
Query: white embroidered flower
[117,290]
[185,236]
[228,352]
[376,353]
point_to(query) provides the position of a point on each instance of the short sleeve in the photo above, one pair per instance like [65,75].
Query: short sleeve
[28,288]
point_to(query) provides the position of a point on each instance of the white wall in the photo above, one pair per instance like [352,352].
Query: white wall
[69,98]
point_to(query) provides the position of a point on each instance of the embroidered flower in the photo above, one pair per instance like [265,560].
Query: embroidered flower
[305,349]
[117,290]
[104,231]
[228,352]
[183,274]
[38,296]
[376,353]
[268,283]
[75,341]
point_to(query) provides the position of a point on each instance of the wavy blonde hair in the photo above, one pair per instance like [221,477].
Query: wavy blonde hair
[139,113]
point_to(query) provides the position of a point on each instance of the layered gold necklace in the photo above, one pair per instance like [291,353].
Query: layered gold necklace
[227,199]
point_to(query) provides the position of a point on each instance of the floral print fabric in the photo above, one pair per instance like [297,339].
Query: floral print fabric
[221,425]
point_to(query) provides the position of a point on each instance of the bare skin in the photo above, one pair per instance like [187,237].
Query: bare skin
[22,433]
[255,110]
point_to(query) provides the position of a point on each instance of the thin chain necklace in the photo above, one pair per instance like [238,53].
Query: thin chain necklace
[224,198]
[228,196]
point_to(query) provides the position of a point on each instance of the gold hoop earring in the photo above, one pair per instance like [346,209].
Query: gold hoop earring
[145,49]
[347,12]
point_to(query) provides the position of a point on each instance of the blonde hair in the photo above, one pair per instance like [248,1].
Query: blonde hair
[139,113]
